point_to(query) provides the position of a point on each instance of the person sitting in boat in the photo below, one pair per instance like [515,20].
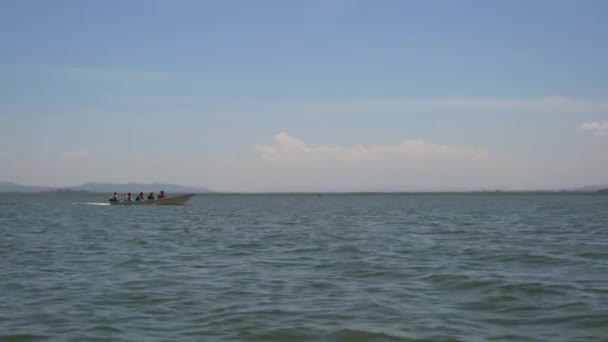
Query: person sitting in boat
[140,197]
[151,196]
[128,198]
[161,195]
[114,198]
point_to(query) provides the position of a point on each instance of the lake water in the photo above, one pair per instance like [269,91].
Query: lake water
[394,267]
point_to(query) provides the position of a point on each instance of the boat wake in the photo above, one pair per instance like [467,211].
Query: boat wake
[92,203]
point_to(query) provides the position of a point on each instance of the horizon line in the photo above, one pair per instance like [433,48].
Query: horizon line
[203,189]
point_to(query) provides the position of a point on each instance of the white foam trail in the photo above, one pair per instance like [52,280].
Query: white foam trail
[92,203]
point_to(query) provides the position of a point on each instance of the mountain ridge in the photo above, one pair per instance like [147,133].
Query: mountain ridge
[105,188]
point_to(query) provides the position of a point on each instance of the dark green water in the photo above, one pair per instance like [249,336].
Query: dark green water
[472,267]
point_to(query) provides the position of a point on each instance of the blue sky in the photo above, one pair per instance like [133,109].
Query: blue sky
[305,95]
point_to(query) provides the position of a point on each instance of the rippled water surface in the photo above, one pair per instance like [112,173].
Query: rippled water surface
[468,267]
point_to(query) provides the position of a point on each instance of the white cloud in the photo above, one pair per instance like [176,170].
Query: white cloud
[599,128]
[286,148]
[289,164]
[79,153]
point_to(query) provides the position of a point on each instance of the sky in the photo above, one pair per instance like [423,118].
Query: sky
[310,95]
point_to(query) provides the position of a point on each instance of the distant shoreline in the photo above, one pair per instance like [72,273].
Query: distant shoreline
[109,188]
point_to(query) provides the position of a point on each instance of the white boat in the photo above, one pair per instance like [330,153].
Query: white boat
[176,200]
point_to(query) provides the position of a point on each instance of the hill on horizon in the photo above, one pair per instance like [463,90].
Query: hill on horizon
[105,188]
[592,188]
[137,187]
[14,187]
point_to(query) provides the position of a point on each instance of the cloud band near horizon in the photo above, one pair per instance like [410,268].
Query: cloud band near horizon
[286,148]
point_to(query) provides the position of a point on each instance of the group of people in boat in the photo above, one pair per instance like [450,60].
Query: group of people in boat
[140,197]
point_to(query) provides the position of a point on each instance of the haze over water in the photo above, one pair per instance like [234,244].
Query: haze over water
[398,267]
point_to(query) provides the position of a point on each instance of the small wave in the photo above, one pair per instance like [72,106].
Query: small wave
[520,309]
[23,337]
[282,334]
[534,289]
[8,203]
[366,334]
[593,255]
[244,245]
[347,249]
[344,334]
[583,320]
[541,259]
[317,284]
[458,281]
[104,329]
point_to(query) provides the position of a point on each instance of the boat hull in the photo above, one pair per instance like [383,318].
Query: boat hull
[176,200]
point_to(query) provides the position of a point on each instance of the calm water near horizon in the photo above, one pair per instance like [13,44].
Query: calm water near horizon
[360,267]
